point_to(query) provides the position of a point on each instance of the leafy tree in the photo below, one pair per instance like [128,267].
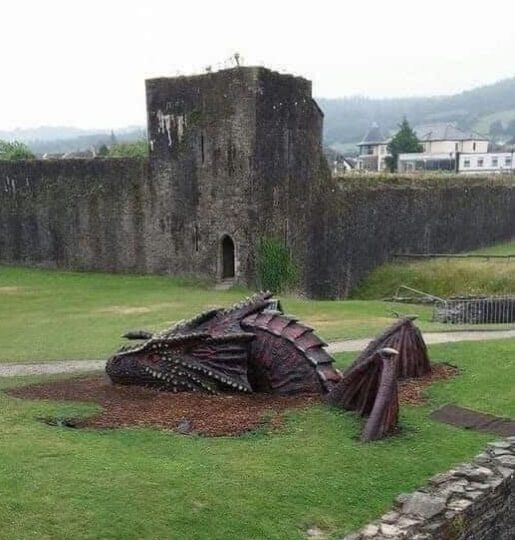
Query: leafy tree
[404,142]
[133,149]
[15,151]
[103,151]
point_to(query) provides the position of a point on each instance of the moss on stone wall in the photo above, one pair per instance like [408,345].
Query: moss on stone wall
[105,215]
[369,218]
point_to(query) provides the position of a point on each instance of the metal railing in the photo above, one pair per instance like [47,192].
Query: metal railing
[488,310]
[509,257]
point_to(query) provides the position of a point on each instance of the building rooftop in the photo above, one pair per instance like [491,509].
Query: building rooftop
[445,132]
[373,136]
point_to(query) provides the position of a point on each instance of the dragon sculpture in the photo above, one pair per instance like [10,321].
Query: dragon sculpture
[251,347]
[254,347]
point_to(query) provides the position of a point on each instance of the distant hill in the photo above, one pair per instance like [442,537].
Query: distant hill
[44,133]
[489,110]
[55,139]
[347,119]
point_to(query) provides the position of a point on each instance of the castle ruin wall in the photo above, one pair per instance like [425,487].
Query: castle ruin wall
[109,215]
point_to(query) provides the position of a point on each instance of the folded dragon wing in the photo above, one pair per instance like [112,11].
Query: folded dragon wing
[406,338]
[370,389]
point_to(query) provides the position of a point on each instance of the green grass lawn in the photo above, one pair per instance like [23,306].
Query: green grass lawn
[50,315]
[502,248]
[444,277]
[60,483]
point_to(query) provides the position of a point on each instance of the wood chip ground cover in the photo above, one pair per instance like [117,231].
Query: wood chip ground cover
[204,414]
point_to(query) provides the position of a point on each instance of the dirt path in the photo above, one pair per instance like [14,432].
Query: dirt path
[349,345]
[49,368]
[478,421]
[431,338]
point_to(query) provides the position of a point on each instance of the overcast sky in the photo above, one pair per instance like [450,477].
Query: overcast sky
[83,63]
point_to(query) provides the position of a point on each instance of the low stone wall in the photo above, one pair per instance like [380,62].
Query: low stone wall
[475,501]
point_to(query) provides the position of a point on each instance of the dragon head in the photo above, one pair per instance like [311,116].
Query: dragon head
[192,362]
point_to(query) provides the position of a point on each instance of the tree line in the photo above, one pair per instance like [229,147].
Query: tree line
[16,150]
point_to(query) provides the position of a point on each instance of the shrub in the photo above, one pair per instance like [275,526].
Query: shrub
[15,150]
[276,270]
[137,148]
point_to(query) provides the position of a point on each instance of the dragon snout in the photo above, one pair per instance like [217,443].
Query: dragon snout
[138,334]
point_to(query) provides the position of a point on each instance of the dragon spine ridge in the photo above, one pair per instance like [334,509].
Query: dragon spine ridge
[271,351]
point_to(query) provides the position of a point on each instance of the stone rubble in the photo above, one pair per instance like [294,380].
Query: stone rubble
[473,501]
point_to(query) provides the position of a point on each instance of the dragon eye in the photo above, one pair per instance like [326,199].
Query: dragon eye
[153,358]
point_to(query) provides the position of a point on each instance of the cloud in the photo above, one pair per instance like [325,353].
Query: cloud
[85,66]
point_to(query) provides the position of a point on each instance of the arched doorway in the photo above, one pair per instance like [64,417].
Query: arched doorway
[227,257]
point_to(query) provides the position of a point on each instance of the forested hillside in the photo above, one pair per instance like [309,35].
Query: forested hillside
[489,110]
[70,139]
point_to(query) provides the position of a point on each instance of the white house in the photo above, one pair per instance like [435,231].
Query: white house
[441,143]
[447,138]
[341,165]
[373,150]
[497,162]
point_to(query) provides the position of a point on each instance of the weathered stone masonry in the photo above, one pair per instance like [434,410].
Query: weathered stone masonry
[233,152]
[77,214]
[235,156]
[367,220]
[474,501]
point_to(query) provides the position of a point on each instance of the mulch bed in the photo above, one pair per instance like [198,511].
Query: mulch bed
[205,414]
[411,391]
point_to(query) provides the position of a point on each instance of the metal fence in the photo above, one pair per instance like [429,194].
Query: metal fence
[491,310]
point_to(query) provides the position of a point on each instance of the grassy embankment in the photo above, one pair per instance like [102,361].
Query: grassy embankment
[445,277]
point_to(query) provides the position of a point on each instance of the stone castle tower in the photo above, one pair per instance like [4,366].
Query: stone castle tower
[234,156]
